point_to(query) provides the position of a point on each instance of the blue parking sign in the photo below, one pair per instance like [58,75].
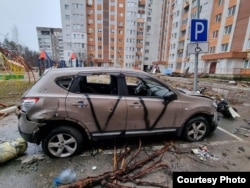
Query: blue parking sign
[198,30]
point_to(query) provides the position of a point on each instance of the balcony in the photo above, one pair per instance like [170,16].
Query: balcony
[186,5]
[139,53]
[90,3]
[140,20]
[139,45]
[141,11]
[142,3]
[180,50]
[138,62]
[140,37]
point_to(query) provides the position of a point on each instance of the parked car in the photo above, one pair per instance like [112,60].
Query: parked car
[68,107]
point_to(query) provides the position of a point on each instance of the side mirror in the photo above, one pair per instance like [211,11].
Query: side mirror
[169,96]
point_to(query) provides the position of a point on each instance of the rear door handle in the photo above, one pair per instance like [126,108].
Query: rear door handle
[80,104]
[135,105]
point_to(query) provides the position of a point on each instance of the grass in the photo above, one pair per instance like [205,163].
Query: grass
[12,90]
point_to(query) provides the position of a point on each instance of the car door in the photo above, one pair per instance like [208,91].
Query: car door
[147,111]
[101,113]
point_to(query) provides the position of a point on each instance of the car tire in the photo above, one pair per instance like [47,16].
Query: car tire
[196,129]
[63,142]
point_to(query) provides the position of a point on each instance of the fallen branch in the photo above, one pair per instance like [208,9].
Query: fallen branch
[109,177]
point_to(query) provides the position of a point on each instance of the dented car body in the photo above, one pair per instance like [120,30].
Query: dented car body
[68,107]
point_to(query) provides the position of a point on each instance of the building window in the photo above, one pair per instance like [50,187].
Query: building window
[212,50]
[248,44]
[99,38]
[67,27]
[67,17]
[68,36]
[120,5]
[90,21]
[99,47]
[224,47]
[231,11]
[246,64]
[220,2]
[78,17]
[99,56]
[120,24]
[77,27]
[227,29]
[77,6]
[66,7]
[99,30]
[218,18]
[90,30]
[215,34]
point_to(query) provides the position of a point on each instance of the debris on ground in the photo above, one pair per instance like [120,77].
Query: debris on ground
[247,121]
[30,159]
[65,177]
[203,154]
[3,114]
[128,167]
[12,149]
[238,132]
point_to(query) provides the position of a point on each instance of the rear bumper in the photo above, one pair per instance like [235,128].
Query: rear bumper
[28,129]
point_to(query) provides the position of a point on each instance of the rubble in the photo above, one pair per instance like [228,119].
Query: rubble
[203,154]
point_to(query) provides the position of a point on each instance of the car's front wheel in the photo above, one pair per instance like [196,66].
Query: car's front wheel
[196,129]
[63,141]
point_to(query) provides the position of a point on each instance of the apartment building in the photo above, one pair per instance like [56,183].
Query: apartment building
[74,27]
[121,33]
[228,36]
[50,40]
[140,33]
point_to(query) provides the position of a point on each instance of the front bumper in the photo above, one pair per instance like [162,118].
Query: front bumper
[214,122]
[28,129]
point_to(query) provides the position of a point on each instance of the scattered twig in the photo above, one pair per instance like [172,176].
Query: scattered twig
[107,178]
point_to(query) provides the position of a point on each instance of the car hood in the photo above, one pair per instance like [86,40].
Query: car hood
[192,93]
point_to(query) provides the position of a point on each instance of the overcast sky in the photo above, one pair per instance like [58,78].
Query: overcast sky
[26,15]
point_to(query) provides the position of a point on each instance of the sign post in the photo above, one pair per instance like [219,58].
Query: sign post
[198,34]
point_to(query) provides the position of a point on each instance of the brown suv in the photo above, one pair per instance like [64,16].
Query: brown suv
[68,107]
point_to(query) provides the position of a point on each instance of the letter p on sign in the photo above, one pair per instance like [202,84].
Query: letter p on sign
[198,30]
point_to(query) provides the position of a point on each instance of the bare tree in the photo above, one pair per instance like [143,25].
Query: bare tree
[15,34]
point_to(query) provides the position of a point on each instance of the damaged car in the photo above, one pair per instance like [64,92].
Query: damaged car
[68,107]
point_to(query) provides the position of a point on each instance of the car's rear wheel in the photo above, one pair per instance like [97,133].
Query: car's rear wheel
[63,142]
[196,129]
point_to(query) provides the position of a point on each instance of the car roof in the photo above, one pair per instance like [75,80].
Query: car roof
[79,70]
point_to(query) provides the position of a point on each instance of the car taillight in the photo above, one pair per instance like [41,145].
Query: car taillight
[27,103]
